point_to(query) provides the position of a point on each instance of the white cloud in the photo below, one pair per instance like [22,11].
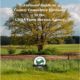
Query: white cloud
[3,33]
[74,10]
[1,29]
[6,12]
[75,16]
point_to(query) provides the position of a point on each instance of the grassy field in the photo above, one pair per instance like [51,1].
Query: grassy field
[38,75]
[55,70]
[61,47]
[65,47]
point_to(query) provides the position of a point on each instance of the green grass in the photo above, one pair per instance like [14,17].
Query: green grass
[39,75]
[52,65]
[61,47]
[65,47]
[55,70]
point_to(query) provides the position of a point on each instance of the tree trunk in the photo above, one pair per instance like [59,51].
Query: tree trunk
[40,47]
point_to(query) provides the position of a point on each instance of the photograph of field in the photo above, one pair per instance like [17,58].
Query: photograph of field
[40,40]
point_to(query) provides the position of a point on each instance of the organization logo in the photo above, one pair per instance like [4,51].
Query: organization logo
[39,62]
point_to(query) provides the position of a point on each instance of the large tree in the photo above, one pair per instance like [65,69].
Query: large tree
[38,32]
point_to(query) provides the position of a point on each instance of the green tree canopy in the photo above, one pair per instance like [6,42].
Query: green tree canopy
[38,32]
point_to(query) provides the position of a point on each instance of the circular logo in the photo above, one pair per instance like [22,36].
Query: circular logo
[39,62]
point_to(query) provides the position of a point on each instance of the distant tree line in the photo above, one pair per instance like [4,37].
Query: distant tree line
[68,40]
[20,41]
[74,39]
[5,40]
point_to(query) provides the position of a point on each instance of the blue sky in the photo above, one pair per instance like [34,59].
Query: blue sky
[73,7]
